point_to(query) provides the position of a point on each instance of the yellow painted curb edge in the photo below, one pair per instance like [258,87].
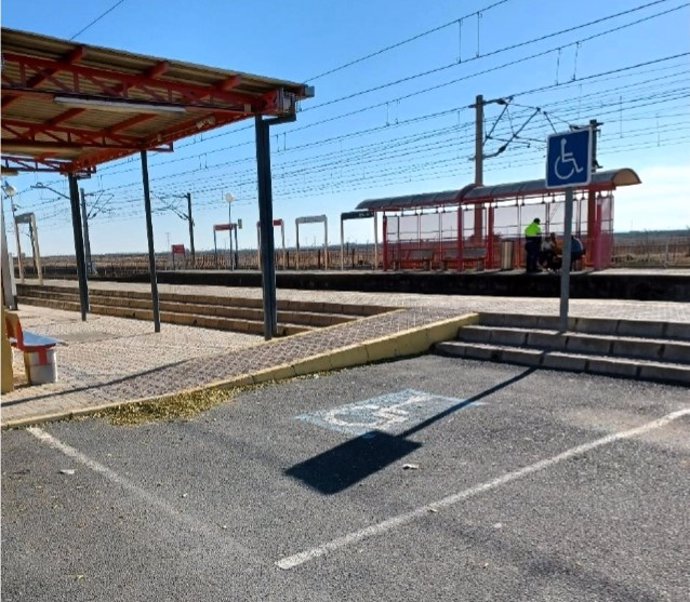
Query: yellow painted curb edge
[405,343]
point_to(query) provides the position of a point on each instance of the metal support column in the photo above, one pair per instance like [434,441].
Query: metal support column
[155,303]
[479,163]
[9,291]
[376,241]
[85,226]
[268,272]
[79,246]
[191,227]
[35,248]
[18,239]
[565,266]
[267,242]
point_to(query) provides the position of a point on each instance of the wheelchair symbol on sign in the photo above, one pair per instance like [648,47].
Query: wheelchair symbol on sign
[566,165]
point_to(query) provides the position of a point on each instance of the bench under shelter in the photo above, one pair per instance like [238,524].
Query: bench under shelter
[482,227]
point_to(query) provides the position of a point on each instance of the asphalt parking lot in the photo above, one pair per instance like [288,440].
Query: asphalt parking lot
[430,478]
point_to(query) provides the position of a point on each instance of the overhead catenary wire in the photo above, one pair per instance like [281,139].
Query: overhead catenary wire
[314,166]
[471,75]
[97,19]
[604,74]
[408,40]
[250,158]
[510,47]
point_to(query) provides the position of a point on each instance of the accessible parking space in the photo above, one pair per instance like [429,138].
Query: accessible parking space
[428,478]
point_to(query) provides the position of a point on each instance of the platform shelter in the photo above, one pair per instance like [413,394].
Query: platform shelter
[482,227]
[69,107]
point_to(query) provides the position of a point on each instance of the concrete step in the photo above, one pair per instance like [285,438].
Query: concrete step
[183,319]
[672,350]
[605,326]
[50,291]
[666,372]
[226,311]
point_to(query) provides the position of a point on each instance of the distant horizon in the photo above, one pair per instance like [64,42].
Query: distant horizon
[305,247]
[394,84]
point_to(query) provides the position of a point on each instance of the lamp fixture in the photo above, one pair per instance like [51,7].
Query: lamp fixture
[118,106]
[8,189]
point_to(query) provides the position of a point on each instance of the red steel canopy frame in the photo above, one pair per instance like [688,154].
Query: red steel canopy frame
[68,107]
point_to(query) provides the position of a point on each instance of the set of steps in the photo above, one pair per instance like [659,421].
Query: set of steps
[645,350]
[236,314]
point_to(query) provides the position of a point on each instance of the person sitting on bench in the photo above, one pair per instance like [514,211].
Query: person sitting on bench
[550,254]
[577,252]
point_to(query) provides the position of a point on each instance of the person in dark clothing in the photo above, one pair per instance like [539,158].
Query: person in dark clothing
[550,254]
[577,252]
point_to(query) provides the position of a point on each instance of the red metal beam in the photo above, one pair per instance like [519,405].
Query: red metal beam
[31,129]
[230,83]
[58,145]
[30,164]
[196,126]
[70,58]
[152,72]
[128,81]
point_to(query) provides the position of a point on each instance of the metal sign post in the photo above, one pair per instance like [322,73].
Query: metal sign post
[312,219]
[568,165]
[177,250]
[359,214]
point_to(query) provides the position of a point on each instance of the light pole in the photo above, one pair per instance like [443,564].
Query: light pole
[85,217]
[230,198]
[9,293]
[10,193]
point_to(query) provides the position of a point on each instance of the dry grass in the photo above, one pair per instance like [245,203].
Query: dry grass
[184,406]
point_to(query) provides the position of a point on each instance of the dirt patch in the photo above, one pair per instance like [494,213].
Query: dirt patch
[180,407]
[184,406]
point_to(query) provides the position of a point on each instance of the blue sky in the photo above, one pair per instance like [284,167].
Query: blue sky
[414,140]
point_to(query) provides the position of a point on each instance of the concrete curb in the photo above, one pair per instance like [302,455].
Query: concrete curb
[405,343]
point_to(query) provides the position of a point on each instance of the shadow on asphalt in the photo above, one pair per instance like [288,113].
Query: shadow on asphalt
[337,469]
[353,461]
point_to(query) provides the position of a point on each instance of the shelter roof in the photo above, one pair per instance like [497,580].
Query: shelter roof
[603,180]
[415,201]
[68,106]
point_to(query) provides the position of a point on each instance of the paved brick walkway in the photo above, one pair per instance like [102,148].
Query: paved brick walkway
[111,359]
[632,310]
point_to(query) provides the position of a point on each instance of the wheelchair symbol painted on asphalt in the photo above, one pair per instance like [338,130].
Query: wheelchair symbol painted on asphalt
[569,159]
[392,413]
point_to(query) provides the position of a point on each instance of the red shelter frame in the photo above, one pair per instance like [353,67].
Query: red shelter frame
[430,249]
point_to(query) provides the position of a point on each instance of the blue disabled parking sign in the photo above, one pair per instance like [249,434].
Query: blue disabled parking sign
[569,159]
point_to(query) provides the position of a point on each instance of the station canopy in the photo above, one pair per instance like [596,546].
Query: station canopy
[68,107]
[473,194]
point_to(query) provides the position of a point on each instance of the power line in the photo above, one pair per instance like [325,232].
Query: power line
[517,94]
[469,76]
[97,19]
[513,47]
[408,40]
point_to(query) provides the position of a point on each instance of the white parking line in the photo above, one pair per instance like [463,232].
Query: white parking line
[150,499]
[290,562]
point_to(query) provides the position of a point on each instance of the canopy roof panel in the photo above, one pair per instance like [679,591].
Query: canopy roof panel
[470,194]
[415,201]
[601,180]
[68,107]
